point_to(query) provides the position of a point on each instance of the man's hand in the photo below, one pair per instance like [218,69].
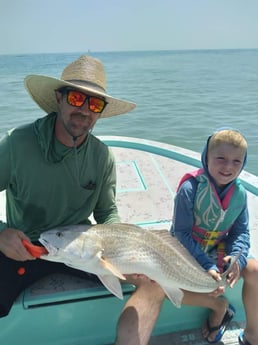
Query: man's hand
[137,278]
[11,245]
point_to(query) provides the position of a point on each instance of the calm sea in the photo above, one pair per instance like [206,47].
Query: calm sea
[181,96]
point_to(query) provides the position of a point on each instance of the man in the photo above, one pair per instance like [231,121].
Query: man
[56,173]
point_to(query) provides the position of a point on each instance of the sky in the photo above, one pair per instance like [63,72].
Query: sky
[49,26]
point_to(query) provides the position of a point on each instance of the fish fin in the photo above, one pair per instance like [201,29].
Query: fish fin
[166,237]
[163,233]
[112,284]
[108,266]
[175,245]
[175,295]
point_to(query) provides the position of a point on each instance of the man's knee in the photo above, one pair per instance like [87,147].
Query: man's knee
[146,287]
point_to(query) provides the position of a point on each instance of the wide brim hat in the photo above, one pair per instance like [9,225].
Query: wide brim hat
[85,74]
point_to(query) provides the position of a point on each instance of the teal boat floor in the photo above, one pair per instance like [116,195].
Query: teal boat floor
[194,337]
[64,310]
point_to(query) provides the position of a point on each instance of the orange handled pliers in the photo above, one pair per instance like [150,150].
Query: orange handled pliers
[34,250]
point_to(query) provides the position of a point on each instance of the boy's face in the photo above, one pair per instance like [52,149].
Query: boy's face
[225,163]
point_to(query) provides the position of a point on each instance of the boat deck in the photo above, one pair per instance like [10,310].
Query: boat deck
[147,174]
[194,337]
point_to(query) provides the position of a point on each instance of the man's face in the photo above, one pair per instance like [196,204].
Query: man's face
[76,120]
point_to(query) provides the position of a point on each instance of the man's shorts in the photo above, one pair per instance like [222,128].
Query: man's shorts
[15,276]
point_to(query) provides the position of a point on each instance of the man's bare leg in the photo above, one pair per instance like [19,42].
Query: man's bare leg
[140,313]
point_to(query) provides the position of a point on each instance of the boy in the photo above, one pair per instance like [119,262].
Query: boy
[211,221]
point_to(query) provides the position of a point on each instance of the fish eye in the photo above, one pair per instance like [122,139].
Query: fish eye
[59,234]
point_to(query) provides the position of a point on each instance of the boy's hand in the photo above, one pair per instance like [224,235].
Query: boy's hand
[216,276]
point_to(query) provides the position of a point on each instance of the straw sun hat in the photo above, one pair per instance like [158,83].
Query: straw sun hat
[85,74]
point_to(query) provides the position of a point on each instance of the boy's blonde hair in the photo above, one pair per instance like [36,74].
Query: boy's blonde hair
[228,136]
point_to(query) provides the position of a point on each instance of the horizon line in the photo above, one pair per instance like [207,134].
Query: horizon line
[126,51]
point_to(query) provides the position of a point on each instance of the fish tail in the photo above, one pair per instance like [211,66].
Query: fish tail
[232,262]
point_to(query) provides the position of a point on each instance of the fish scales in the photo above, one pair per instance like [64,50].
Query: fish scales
[112,251]
[147,246]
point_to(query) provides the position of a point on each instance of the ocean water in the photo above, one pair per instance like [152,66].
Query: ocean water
[181,96]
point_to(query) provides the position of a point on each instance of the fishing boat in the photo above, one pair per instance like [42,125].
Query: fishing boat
[64,310]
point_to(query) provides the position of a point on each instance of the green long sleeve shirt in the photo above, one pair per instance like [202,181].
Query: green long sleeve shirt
[48,184]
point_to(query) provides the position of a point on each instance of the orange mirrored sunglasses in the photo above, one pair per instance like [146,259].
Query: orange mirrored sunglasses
[78,99]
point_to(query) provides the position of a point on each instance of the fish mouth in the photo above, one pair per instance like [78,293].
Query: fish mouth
[51,249]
